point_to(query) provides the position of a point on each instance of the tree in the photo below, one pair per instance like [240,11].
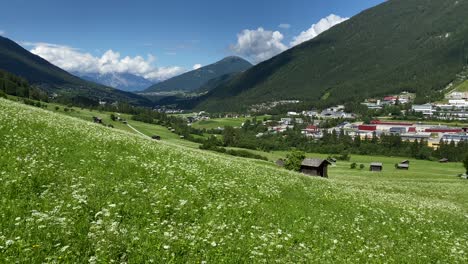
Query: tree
[113,117]
[353,165]
[465,163]
[294,160]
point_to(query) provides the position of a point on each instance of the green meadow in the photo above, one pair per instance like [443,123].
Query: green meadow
[76,192]
[222,122]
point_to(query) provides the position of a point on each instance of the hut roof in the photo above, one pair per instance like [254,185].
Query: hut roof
[314,162]
[405,162]
[376,164]
[403,165]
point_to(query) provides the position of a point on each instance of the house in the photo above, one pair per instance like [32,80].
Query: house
[376,166]
[444,160]
[315,167]
[311,130]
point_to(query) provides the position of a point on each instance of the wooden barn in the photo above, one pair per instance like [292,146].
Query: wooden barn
[376,166]
[315,167]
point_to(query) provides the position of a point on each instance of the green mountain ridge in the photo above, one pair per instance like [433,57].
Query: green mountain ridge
[196,79]
[417,46]
[52,79]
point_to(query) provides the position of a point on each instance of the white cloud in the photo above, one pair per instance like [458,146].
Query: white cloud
[74,60]
[316,29]
[284,26]
[196,66]
[2,32]
[258,45]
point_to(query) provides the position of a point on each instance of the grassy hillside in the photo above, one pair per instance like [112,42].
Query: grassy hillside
[50,78]
[196,79]
[73,191]
[417,46]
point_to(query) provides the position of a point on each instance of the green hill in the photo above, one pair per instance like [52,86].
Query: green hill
[112,196]
[52,79]
[196,79]
[417,46]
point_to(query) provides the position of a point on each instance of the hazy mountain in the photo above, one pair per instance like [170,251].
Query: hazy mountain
[122,81]
[50,78]
[194,80]
[417,46]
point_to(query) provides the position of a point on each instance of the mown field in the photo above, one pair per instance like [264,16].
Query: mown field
[76,192]
[222,122]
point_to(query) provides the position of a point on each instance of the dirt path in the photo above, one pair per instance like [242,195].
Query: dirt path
[134,129]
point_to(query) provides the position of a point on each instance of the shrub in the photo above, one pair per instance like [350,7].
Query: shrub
[294,160]
[362,166]
[353,165]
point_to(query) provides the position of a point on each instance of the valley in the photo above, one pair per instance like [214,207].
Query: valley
[234,132]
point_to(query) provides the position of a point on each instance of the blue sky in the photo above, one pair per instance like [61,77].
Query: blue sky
[177,33]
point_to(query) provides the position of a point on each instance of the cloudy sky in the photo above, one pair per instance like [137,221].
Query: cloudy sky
[160,39]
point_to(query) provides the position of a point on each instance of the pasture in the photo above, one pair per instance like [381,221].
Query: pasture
[77,192]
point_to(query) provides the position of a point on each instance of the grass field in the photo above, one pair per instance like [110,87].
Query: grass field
[77,192]
[222,122]
[463,87]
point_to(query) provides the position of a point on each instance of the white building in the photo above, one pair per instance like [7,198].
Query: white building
[426,109]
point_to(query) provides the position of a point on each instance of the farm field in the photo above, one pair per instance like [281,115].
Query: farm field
[222,122]
[74,191]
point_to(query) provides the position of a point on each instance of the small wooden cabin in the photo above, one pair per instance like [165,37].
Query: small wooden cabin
[315,167]
[405,162]
[444,160]
[97,120]
[403,166]
[156,137]
[376,166]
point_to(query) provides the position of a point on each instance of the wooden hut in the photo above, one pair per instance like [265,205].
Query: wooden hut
[156,137]
[444,160]
[315,167]
[376,166]
[405,162]
[97,120]
[403,166]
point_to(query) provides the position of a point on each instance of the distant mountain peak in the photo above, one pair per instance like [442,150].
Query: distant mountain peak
[122,81]
[194,80]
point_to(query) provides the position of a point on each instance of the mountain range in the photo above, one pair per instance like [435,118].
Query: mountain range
[122,81]
[416,46]
[50,78]
[196,79]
